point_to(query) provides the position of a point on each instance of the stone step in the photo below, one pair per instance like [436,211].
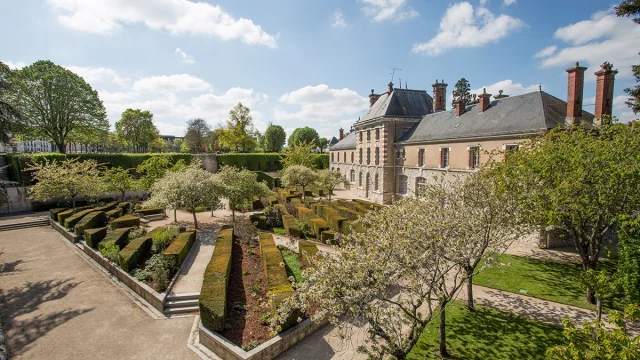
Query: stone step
[181,310]
[25,225]
[181,303]
[183,296]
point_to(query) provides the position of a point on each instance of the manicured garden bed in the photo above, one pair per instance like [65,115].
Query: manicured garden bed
[548,280]
[487,334]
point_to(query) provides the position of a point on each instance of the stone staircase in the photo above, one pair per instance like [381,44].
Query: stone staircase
[24,225]
[180,304]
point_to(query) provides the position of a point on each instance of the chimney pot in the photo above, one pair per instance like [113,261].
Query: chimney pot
[484,100]
[373,98]
[390,87]
[574,92]
[341,133]
[605,79]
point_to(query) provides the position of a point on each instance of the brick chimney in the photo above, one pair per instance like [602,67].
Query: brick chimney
[459,108]
[575,86]
[373,98]
[604,90]
[439,96]
[390,85]
[484,100]
[341,134]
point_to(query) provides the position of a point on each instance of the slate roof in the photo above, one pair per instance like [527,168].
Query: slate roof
[348,142]
[333,141]
[521,114]
[401,103]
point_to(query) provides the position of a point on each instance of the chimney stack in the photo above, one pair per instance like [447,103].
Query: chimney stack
[500,96]
[373,98]
[484,100]
[459,108]
[604,90]
[574,93]
[390,87]
[341,134]
[439,96]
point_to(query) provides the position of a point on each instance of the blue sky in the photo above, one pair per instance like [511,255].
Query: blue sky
[313,63]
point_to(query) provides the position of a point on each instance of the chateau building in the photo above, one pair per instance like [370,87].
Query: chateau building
[408,136]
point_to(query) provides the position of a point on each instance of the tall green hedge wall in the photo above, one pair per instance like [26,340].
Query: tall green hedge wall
[263,161]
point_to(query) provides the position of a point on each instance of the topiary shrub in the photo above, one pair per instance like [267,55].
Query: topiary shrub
[328,237]
[53,213]
[132,254]
[125,221]
[260,220]
[125,206]
[71,221]
[180,247]
[120,237]
[213,295]
[93,237]
[112,214]
[291,226]
[107,207]
[150,211]
[92,220]
[307,250]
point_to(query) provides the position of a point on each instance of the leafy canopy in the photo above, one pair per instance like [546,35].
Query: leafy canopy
[240,186]
[119,180]
[299,155]
[136,129]
[330,180]
[274,138]
[305,135]
[239,133]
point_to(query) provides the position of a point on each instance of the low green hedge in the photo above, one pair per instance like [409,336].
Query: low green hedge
[150,211]
[93,237]
[107,207]
[213,295]
[125,206]
[112,214]
[132,254]
[92,220]
[71,221]
[260,219]
[278,285]
[319,225]
[268,179]
[63,215]
[180,247]
[328,237]
[291,226]
[125,221]
[119,236]
[53,213]
[347,213]
[307,250]
[251,161]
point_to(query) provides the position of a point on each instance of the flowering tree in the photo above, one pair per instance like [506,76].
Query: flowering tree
[330,180]
[67,179]
[300,154]
[186,189]
[298,175]
[119,180]
[240,186]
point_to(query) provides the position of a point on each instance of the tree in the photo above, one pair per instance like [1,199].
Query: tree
[274,138]
[240,186]
[176,145]
[65,179]
[323,143]
[603,284]
[54,103]
[593,340]
[629,257]
[119,180]
[136,129]
[186,189]
[152,169]
[159,145]
[330,180]
[632,8]
[299,155]
[8,114]
[579,181]
[305,135]
[298,175]
[462,92]
[239,130]
[197,132]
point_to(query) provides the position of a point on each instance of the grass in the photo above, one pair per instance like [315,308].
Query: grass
[279,231]
[292,264]
[487,334]
[546,280]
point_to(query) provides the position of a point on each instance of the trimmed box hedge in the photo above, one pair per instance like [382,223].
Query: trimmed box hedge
[107,207]
[307,249]
[93,237]
[53,213]
[347,213]
[125,206]
[63,215]
[125,221]
[180,246]
[132,254]
[112,214]
[328,237]
[319,225]
[291,226]
[213,295]
[92,220]
[71,221]
[119,236]
[260,219]
[150,211]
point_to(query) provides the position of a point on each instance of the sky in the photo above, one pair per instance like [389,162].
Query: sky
[313,63]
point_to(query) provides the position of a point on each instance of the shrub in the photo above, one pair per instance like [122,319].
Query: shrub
[245,231]
[319,225]
[273,217]
[119,237]
[158,269]
[347,213]
[110,251]
[180,247]
[150,211]
[328,237]
[213,295]
[291,226]
[125,206]
[92,220]
[93,237]
[63,215]
[72,220]
[107,207]
[53,213]
[259,220]
[125,221]
[136,233]
[132,254]
[112,214]
[307,250]
[160,241]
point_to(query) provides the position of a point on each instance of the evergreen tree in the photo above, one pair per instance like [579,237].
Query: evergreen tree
[462,92]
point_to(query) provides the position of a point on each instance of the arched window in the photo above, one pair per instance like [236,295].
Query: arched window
[402,184]
[360,179]
[375,182]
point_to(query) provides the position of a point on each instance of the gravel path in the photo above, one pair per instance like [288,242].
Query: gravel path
[192,273]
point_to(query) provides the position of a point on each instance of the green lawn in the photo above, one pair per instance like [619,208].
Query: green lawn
[542,279]
[487,334]
[292,264]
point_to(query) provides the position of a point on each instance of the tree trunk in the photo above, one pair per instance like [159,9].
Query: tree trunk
[175,216]
[590,296]
[233,213]
[443,333]
[302,192]
[470,304]
[195,219]
[62,149]
[599,308]
[73,203]
[123,196]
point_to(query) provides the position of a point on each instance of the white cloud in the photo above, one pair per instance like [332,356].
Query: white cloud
[383,10]
[509,2]
[620,109]
[15,65]
[483,2]
[463,26]
[338,20]
[548,51]
[170,83]
[117,97]
[170,129]
[604,37]
[186,58]
[175,16]
[98,75]
[508,87]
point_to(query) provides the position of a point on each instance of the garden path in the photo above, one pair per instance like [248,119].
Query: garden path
[192,272]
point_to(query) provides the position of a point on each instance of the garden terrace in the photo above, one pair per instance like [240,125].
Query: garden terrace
[213,296]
